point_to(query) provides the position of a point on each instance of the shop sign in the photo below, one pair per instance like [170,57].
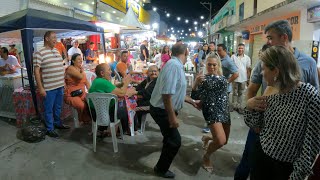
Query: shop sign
[120,5]
[315,50]
[135,7]
[314,14]
[294,20]
[124,5]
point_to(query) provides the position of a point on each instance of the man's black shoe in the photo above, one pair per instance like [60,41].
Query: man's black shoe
[167,174]
[52,134]
[62,127]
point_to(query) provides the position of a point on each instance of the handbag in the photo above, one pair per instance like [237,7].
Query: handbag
[75,93]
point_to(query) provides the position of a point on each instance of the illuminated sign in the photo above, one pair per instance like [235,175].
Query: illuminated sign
[313,14]
[315,50]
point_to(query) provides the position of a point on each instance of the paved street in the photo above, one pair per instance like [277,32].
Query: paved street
[71,156]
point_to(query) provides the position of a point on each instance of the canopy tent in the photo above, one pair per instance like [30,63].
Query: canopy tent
[29,25]
[131,21]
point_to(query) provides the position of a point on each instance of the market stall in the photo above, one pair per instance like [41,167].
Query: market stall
[30,25]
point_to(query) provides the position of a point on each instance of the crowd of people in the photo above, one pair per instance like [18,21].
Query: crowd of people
[283,140]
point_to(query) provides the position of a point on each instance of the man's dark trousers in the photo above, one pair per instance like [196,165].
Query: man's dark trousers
[243,169]
[171,138]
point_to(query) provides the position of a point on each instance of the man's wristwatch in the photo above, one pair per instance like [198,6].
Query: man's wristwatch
[193,100]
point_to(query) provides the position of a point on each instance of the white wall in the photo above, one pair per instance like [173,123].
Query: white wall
[306,28]
[8,7]
[306,34]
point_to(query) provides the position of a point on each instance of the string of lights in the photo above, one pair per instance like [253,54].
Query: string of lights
[191,26]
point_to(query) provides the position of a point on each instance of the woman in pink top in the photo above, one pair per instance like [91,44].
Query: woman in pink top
[165,56]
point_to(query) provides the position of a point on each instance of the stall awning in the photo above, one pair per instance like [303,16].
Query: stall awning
[32,24]
[131,21]
[33,19]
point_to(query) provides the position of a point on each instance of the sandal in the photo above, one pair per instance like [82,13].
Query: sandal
[207,168]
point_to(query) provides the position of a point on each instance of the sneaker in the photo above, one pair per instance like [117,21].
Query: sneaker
[167,174]
[52,134]
[62,126]
[206,130]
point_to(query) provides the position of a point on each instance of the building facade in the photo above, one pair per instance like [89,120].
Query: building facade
[251,17]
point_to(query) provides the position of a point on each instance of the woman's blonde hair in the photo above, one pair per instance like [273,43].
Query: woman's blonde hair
[216,57]
[282,58]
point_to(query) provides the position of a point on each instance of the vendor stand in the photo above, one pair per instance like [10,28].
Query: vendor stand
[30,25]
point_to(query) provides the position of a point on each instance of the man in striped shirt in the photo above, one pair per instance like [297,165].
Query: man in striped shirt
[49,74]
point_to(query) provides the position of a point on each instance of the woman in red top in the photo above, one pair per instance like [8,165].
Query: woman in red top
[76,80]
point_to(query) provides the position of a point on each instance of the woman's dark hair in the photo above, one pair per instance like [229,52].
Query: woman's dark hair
[164,49]
[74,57]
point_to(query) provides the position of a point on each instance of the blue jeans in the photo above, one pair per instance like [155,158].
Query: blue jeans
[52,108]
[243,169]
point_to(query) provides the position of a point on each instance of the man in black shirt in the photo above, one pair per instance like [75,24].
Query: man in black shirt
[144,52]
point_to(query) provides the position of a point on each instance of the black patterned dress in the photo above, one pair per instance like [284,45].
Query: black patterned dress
[214,97]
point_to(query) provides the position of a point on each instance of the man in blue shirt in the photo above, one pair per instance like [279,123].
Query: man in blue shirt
[229,68]
[166,100]
[278,33]
[90,54]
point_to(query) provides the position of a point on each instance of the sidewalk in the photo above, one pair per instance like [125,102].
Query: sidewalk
[71,156]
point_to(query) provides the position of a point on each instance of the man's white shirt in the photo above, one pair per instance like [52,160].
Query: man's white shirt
[74,50]
[242,62]
[12,61]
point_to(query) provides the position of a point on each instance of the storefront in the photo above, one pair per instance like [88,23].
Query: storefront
[257,37]
[227,38]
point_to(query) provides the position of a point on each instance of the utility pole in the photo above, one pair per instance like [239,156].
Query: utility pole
[204,4]
[95,11]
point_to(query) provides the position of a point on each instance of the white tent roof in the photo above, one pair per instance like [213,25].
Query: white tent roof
[131,21]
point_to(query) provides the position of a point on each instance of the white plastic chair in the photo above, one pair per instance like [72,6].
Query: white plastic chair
[101,103]
[189,78]
[117,76]
[143,123]
[132,113]
[90,76]
[143,117]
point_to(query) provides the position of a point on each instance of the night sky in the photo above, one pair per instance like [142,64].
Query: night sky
[186,9]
